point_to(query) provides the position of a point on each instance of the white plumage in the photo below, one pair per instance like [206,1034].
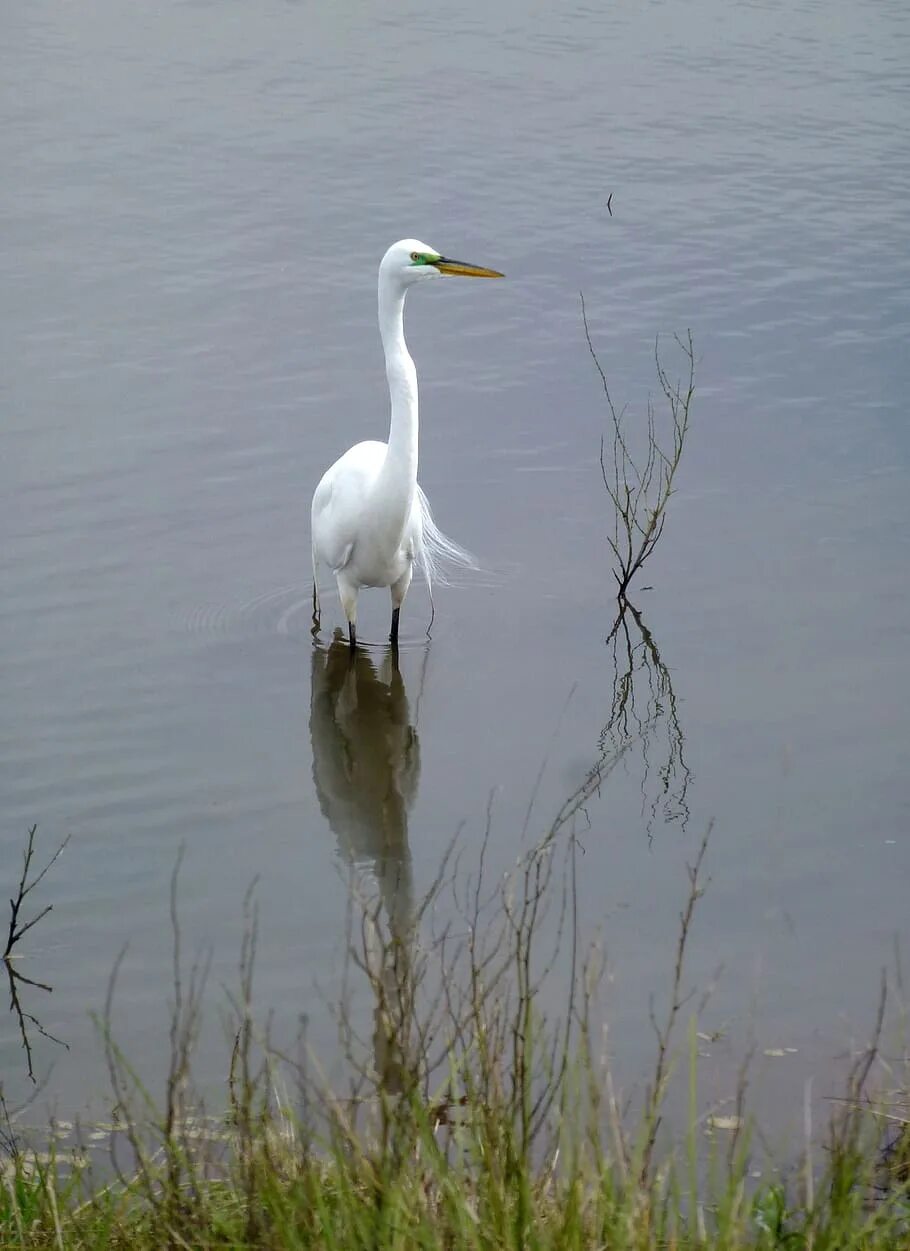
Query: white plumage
[371,522]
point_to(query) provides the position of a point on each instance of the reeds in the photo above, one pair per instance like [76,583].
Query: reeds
[471,1119]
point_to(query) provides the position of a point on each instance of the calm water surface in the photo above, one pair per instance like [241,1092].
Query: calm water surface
[195,199]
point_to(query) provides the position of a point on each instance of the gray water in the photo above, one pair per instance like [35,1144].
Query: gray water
[195,198]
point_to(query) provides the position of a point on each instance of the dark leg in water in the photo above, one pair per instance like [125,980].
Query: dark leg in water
[316,617]
[393,633]
[352,634]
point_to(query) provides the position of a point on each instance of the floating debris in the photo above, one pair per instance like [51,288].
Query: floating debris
[30,1164]
[725,1122]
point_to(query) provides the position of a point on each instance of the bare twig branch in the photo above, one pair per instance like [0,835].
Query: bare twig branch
[15,933]
[640,485]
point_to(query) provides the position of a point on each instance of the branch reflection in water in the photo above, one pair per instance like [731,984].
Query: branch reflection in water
[645,709]
[644,715]
[366,767]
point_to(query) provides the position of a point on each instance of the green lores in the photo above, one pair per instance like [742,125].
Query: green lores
[446,265]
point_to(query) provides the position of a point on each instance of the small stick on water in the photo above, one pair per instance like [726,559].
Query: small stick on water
[609,198]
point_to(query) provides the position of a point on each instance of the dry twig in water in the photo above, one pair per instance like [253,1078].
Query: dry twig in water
[640,482]
[15,933]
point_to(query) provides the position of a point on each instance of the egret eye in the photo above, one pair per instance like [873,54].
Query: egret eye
[415,256]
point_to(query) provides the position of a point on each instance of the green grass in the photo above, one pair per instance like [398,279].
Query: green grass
[471,1121]
[478,1189]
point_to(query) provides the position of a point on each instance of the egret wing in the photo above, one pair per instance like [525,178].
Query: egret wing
[339,500]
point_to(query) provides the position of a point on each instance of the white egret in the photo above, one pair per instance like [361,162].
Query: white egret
[371,522]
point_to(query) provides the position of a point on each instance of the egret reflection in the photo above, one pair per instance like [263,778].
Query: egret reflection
[366,767]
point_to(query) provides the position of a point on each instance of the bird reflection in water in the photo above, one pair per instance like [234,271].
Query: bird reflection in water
[366,766]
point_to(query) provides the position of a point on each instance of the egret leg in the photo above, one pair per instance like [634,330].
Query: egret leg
[399,590]
[317,612]
[317,617]
[348,593]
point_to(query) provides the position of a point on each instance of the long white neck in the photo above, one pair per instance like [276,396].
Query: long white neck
[399,471]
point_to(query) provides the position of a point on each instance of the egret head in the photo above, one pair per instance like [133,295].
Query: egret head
[409,261]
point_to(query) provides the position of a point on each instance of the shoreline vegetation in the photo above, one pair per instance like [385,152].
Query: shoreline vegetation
[470,1119]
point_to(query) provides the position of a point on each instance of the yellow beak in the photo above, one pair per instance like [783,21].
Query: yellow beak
[462,269]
